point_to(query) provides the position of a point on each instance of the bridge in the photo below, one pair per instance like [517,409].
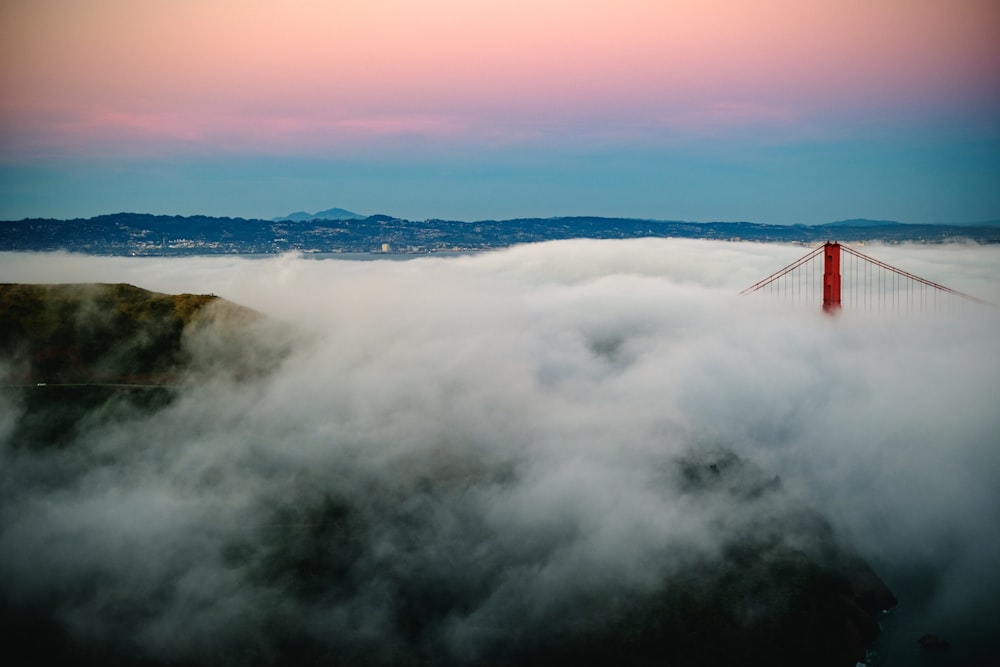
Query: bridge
[834,275]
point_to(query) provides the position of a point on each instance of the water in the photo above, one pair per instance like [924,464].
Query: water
[971,633]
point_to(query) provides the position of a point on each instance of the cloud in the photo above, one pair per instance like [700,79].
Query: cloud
[502,429]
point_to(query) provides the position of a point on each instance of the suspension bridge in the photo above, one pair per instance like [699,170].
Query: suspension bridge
[835,276]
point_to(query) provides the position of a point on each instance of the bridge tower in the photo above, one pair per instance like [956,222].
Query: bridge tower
[831,277]
[870,284]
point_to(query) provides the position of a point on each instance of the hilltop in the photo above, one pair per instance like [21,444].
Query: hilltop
[71,352]
[328,214]
[94,332]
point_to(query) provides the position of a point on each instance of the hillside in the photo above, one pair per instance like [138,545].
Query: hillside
[142,234]
[780,588]
[69,352]
[79,333]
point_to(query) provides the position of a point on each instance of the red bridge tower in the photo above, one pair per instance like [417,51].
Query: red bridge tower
[831,277]
[871,284]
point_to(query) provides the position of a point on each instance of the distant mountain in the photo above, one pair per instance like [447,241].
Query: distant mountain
[298,216]
[328,214]
[861,222]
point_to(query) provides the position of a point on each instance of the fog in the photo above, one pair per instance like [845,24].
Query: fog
[504,423]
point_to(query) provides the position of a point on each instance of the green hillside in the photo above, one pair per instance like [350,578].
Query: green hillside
[80,333]
[71,354]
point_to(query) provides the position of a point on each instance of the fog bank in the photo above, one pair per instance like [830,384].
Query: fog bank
[506,424]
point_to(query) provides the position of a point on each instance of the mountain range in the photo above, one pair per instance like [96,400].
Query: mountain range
[337,230]
[328,214]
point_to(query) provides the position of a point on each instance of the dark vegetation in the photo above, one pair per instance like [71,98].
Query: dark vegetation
[783,593]
[143,234]
[89,333]
[780,591]
[78,355]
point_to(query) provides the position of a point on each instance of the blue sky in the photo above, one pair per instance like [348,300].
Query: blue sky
[910,181]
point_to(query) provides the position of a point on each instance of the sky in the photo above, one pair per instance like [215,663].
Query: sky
[505,425]
[763,110]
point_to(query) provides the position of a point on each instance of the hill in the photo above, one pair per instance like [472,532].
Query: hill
[143,234]
[69,352]
[861,222]
[94,332]
[328,214]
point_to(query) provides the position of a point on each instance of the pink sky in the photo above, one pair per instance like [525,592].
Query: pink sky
[120,76]
[774,110]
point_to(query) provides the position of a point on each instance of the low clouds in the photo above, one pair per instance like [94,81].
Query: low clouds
[501,429]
